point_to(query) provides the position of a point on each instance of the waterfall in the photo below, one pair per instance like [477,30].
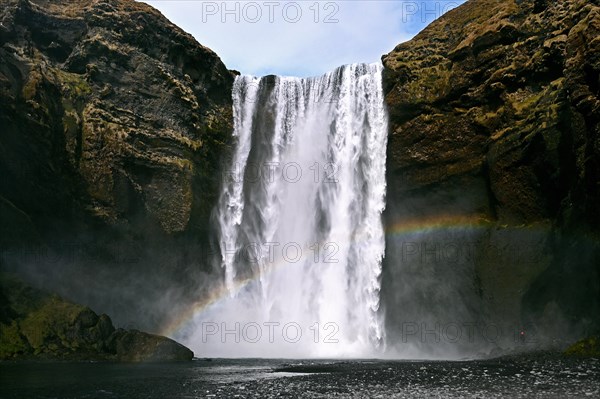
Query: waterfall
[299,219]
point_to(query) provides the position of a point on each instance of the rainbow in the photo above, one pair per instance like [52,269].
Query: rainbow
[399,229]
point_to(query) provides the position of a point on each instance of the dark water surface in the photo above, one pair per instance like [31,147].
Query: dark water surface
[515,377]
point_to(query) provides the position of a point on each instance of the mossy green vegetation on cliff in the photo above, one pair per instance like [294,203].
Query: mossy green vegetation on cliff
[37,325]
[588,347]
[510,88]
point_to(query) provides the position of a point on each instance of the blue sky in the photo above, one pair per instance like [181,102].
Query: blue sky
[301,38]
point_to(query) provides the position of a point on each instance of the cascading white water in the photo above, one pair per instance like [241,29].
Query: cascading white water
[299,219]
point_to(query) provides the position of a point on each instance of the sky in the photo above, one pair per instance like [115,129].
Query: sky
[301,38]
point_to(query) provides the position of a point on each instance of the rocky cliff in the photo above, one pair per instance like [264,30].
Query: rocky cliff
[38,325]
[495,142]
[114,126]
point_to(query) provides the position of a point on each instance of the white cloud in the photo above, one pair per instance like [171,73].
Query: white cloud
[300,38]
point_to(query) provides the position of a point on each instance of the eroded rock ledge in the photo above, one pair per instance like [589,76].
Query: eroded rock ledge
[40,326]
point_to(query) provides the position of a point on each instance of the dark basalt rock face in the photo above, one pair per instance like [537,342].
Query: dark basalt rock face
[37,325]
[114,127]
[495,122]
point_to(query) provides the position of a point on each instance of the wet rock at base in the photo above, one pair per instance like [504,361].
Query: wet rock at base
[37,325]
